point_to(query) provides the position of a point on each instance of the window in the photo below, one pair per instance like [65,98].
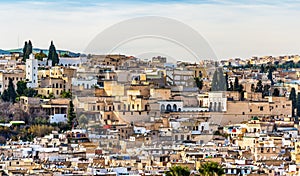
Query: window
[108,117]
[261,108]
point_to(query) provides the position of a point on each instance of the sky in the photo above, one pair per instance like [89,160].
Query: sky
[233,29]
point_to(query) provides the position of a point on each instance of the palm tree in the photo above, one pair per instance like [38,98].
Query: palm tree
[211,169]
[178,171]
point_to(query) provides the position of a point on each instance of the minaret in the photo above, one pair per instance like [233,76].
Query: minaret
[32,72]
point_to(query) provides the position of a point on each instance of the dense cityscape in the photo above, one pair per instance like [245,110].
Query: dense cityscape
[149,88]
[65,113]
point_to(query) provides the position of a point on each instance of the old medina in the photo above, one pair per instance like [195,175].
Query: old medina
[121,115]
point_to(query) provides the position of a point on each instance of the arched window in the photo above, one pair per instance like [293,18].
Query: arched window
[219,107]
[215,106]
[162,108]
[174,107]
[169,108]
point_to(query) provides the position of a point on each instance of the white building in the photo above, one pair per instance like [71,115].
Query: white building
[217,101]
[32,72]
[57,118]
[86,83]
[72,61]
[170,105]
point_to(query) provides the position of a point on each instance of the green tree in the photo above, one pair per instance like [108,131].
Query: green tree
[21,87]
[51,95]
[252,87]
[293,98]
[66,55]
[71,114]
[276,93]
[218,81]
[40,55]
[66,94]
[30,92]
[242,95]
[230,86]
[27,50]
[24,51]
[11,91]
[266,90]
[199,83]
[178,171]
[236,86]
[262,68]
[83,121]
[22,90]
[211,169]
[5,96]
[226,81]
[259,86]
[270,76]
[52,55]
[298,104]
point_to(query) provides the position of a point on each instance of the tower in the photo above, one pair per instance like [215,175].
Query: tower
[32,72]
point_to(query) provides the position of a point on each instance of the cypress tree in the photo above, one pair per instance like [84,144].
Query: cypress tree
[262,68]
[52,55]
[226,79]
[5,96]
[298,104]
[24,51]
[71,114]
[231,86]
[294,100]
[218,81]
[236,86]
[11,91]
[270,76]
[214,82]
[27,50]
[199,83]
